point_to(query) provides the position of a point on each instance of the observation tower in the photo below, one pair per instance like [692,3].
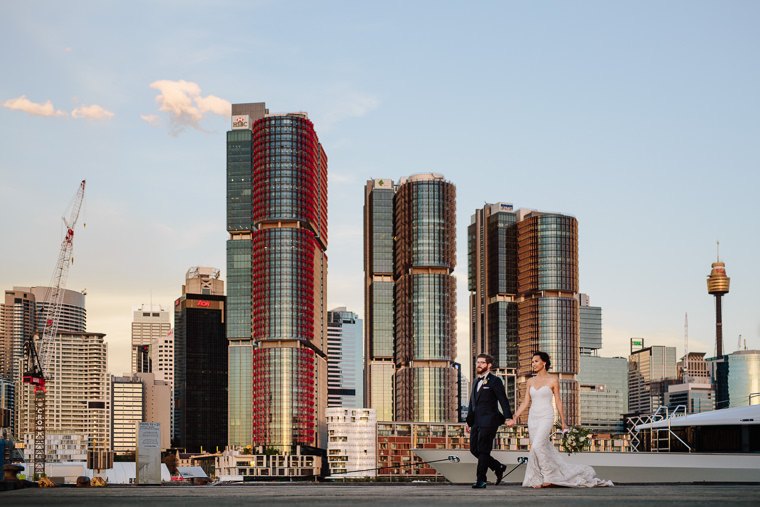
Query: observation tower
[717,285]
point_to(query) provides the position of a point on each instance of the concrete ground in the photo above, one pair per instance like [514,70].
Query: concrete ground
[332,494]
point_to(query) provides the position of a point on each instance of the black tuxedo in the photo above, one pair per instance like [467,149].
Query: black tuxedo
[484,419]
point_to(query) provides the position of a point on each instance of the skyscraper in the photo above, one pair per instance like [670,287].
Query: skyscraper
[78,391]
[345,362]
[149,323]
[200,363]
[410,298]
[277,268]
[523,281]
[650,371]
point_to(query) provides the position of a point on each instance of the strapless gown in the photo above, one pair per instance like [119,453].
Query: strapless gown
[545,464]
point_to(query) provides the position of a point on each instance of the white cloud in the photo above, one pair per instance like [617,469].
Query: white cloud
[185,105]
[23,104]
[93,112]
[152,119]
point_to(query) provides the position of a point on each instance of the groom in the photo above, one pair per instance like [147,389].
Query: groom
[484,418]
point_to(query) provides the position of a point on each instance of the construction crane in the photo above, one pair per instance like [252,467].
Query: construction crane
[37,349]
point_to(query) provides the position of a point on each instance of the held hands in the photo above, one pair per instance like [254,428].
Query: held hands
[510,423]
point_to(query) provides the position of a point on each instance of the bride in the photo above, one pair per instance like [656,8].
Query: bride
[546,467]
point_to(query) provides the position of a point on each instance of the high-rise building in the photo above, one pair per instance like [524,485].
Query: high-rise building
[650,371]
[523,282]
[149,322]
[78,390]
[378,297]
[18,322]
[73,316]
[22,315]
[410,253]
[239,268]
[200,363]
[162,361]
[127,410]
[603,383]
[590,318]
[139,398]
[345,361]
[277,268]
[737,378]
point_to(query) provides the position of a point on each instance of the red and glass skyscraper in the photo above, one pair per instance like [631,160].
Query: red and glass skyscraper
[410,299]
[277,272]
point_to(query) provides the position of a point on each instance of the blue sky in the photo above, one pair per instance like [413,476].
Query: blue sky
[641,119]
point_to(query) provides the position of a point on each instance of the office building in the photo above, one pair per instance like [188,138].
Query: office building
[78,390]
[149,322]
[590,318]
[352,442]
[277,269]
[200,363]
[419,353]
[23,314]
[345,361]
[127,410]
[523,282]
[379,365]
[739,375]
[650,371]
[603,383]
[139,397]
[162,363]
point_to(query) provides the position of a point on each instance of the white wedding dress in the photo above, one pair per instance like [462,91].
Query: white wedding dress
[544,461]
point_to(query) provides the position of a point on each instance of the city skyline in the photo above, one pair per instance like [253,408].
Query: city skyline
[638,120]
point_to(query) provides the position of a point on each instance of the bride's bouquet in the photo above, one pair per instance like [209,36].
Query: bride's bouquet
[575,439]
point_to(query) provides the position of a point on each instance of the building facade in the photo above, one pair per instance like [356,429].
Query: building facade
[162,361]
[603,383]
[149,323]
[127,410]
[423,256]
[200,363]
[590,318]
[345,360]
[351,442]
[523,282]
[277,268]
[139,397]
[78,388]
[737,378]
[650,371]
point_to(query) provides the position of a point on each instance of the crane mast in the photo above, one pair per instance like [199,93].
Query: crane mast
[37,351]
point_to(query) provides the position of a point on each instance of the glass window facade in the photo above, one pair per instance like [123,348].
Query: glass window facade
[239,175]
[410,294]
[200,373]
[743,378]
[284,397]
[240,392]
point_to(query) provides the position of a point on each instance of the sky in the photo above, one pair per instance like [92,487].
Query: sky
[641,119]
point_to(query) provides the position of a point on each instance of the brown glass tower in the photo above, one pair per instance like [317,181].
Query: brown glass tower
[717,285]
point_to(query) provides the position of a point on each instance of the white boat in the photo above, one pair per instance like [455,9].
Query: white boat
[705,430]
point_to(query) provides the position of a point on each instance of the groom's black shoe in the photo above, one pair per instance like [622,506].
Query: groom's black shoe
[479,485]
[500,474]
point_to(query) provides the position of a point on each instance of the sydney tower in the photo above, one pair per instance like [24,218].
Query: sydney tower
[717,285]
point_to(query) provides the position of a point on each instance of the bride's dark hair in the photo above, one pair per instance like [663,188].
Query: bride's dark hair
[545,358]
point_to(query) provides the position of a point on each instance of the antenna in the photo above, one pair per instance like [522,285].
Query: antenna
[686,348]
[718,250]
